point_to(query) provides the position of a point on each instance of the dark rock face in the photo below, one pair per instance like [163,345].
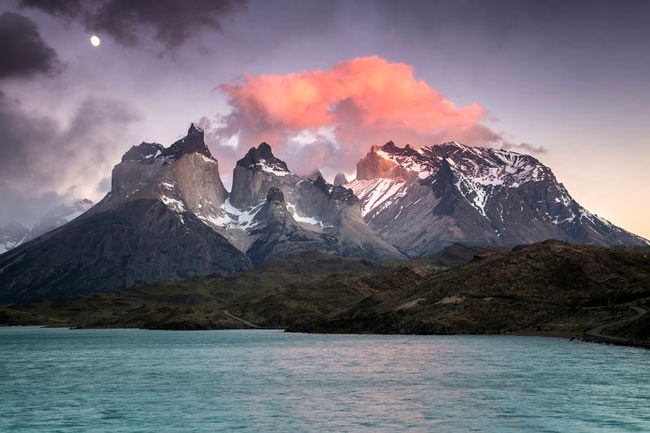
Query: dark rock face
[262,155]
[193,142]
[142,241]
[423,200]
[340,179]
[274,195]
[314,175]
[277,234]
[142,152]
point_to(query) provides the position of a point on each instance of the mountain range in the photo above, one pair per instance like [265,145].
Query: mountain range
[169,215]
[15,233]
[421,200]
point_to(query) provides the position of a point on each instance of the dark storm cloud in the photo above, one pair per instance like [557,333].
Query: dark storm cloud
[171,22]
[23,52]
[39,157]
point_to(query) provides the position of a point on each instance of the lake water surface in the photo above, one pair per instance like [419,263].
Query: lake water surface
[269,381]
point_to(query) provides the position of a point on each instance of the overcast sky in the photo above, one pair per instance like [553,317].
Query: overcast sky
[565,81]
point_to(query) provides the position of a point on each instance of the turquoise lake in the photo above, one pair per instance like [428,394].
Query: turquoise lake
[59,380]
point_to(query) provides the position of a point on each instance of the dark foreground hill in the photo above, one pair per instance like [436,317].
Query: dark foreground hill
[552,288]
[298,288]
[203,303]
[548,288]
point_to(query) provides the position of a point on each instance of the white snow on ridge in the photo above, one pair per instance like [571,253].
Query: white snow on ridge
[272,170]
[374,192]
[231,217]
[302,219]
[477,194]
[173,204]
[409,163]
[497,167]
[207,159]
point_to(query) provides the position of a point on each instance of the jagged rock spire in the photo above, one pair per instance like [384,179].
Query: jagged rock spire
[263,153]
[193,142]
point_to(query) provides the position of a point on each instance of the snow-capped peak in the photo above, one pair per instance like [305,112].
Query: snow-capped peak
[262,158]
[482,165]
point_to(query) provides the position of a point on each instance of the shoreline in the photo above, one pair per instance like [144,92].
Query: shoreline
[586,337]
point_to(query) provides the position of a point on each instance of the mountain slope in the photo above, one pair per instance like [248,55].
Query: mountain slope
[148,228]
[423,199]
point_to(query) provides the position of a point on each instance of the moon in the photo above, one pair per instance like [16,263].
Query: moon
[95,41]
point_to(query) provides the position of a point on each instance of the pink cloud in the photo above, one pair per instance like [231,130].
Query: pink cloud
[363,101]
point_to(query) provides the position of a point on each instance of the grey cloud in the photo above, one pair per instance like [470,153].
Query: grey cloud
[40,157]
[23,52]
[18,207]
[171,22]
[524,147]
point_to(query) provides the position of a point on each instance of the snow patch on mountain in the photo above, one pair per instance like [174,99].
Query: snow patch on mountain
[173,204]
[207,158]
[267,168]
[231,217]
[375,192]
[304,219]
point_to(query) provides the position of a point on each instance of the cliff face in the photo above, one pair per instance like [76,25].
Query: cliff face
[305,214]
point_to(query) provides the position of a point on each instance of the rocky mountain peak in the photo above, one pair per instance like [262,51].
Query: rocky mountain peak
[142,152]
[193,142]
[262,158]
[473,194]
[314,175]
[255,173]
[194,130]
[340,179]
[378,164]
[339,193]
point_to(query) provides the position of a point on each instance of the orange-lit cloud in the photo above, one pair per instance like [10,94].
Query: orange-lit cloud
[328,119]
